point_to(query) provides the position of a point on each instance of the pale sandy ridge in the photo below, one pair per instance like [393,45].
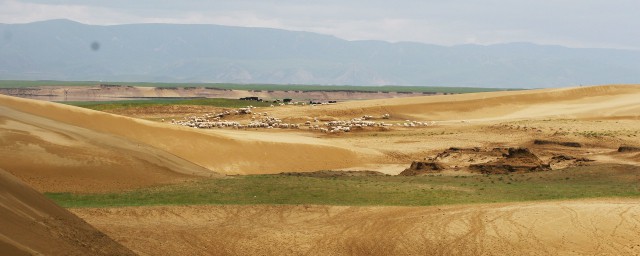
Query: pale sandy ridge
[221,152]
[57,157]
[573,102]
[31,224]
[581,227]
[63,148]
[66,146]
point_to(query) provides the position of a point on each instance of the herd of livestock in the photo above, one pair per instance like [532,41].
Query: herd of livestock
[263,120]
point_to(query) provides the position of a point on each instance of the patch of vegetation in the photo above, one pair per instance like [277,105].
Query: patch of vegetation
[109,105]
[579,182]
[259,87]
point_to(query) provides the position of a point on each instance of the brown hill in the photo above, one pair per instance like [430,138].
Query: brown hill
[56,147]
[54,156]
[63,148]
[575,102]
[31,224]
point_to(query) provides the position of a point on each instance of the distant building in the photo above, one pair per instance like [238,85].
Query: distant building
[251,98]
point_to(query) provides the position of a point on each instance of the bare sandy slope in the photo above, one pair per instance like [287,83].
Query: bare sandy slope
[576,102]
[48,140]
[54,157]
[222,152]
[31,224]
[603,227]
[601,118]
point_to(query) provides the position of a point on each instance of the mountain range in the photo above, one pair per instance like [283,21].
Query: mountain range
[68,50]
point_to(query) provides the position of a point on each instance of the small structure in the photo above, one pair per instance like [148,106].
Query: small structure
[251,98]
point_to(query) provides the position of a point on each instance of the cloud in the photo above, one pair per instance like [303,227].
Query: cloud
[582,23]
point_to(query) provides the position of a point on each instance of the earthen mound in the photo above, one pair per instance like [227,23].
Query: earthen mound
[421,167]
[463,156]
[559,143]
[565,161]
[516,160]
[486,161]
[627,149]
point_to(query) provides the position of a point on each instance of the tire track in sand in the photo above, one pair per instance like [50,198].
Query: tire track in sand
[606,227]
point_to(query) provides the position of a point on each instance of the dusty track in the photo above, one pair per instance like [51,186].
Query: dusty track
[603,227]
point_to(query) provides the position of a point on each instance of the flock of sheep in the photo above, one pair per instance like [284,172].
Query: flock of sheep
[258,120]
[263,120]
[356,123]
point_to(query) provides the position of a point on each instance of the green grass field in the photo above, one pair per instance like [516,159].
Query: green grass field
[579,182]
[109,105]
[262,87]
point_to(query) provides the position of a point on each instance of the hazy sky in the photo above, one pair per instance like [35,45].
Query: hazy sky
[575,23]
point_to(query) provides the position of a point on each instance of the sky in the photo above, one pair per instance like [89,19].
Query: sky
[572,23]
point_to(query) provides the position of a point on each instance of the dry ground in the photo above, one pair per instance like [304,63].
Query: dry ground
[31,224]
[584,227]
[61,148]
[601,118]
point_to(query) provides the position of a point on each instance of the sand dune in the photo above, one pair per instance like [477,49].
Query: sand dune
[30,224]
[576,102]
[79,143]
[61,148]
[55,157]
[56,147]
[584,227]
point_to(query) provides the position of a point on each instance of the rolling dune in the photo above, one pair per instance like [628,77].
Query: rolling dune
[576,102]
[58,148]
[31,224]
[62,145]
[58,157]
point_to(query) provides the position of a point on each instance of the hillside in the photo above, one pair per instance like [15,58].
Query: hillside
[31,224]
[56,147]
[59,148]
[574,102]
[66,50]
[159,187]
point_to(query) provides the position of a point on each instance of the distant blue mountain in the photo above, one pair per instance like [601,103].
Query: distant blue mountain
[67,50]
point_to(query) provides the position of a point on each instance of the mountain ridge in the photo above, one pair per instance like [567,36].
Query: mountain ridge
[68,50]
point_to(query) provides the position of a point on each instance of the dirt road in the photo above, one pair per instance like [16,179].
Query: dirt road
[603,227]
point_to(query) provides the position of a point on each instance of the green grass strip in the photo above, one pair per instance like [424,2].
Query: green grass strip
[573,183]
